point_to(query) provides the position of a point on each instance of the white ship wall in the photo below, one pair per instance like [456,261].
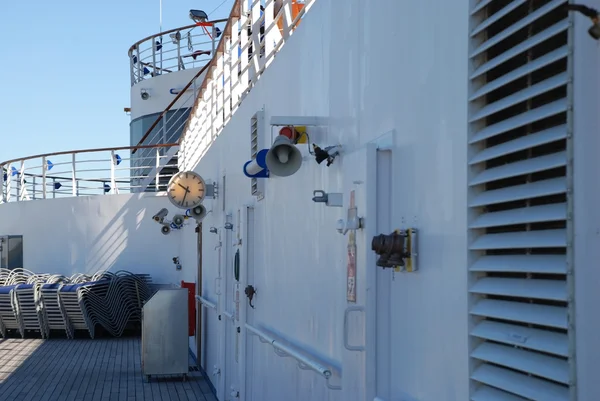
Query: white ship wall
[159,90]
[90,233]
[386,74]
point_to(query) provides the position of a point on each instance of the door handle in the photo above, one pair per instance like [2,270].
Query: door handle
[347,344]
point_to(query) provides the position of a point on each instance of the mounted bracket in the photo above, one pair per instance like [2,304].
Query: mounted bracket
[353,222]
[397,250]
[212,190]
[330,199]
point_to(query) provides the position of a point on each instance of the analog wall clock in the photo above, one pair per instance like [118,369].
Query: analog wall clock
[186,190]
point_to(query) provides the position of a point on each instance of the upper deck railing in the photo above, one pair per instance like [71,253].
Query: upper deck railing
[88,172]
[178,49]
[254,34]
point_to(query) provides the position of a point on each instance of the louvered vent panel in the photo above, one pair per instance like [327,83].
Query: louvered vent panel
[253,151]
[518,198]
[257,127]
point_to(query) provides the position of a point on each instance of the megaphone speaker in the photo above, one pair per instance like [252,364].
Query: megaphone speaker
[284,158]
[178,220]
[198,213]
[165,229]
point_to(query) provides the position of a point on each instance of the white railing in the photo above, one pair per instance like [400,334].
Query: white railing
[304,360]
[174,50]
[88,172]
[248,45]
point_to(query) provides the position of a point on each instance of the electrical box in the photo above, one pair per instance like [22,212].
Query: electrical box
[165,333]
[11,252]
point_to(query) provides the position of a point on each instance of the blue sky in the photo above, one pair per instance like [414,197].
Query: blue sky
[64,74]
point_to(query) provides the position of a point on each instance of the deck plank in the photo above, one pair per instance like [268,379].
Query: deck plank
[86,369]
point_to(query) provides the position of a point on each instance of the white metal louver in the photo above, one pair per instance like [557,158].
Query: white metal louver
[256,128]
[521,342]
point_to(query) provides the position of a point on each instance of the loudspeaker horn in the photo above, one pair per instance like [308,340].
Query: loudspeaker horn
[178,220]
[284,158]
[198,212]
[165,229]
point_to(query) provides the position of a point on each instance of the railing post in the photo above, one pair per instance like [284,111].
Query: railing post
[139,63]
[156,182]
[22,189]
[161,54]
[2,193]
[53,188]
[19,188]
[132,69]
[8,181]
[44,183]
[179,60]
[154,56]
[214,40]
[74,176]
[271,29]
[113,183]
[33,188]
[287,19]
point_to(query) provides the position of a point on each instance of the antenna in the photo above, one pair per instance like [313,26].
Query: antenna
[160,15]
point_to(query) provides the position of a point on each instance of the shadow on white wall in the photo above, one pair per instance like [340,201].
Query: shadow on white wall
[88,234]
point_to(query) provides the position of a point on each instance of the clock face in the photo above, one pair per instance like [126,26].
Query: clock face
[186,190]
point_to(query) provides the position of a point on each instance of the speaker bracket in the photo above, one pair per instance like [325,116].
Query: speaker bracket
[298,121]
[330,199]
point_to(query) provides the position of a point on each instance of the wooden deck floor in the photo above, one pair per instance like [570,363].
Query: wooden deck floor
[86,370]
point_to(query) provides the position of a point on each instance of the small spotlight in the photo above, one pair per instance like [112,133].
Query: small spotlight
[329,154]
[198,16]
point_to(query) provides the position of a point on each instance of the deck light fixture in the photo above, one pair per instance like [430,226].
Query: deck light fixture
[198,16]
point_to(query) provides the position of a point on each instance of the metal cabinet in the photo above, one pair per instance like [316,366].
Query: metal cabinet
[11,251]
[165,349]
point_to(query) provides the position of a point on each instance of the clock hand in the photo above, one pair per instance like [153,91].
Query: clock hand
[183,200]
[187,189]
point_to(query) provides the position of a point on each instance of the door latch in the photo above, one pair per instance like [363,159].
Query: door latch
[250,292]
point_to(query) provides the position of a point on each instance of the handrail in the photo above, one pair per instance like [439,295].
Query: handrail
[68,152]
[168,108]
[257,35]
[205,302]
[86,172]
[220,48]
[217,21]
[304,361]
[157,54]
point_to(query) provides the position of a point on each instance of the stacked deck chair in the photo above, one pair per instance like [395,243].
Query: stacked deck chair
[111,300]
[49,306]
[26,302]
[71,306]
[43,302]
[10,314]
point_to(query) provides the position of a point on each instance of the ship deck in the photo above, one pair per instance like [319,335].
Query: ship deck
[74,370]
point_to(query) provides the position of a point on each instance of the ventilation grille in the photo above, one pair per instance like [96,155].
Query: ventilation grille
[254,151]
[518,200]
[256,131]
